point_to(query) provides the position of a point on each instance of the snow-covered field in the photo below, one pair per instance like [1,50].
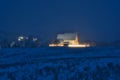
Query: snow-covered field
[95,63]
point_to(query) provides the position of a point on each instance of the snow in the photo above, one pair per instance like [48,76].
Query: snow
[94,63]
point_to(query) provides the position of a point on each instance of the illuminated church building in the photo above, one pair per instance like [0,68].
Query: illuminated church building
[69,40]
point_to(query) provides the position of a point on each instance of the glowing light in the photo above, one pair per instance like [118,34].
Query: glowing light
[74,46]
[20,38]
[79,45]
[56,45]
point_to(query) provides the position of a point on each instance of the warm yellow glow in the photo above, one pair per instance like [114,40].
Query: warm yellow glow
[56,45]
[79,45]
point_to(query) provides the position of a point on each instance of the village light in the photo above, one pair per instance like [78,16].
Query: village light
[20,38]
[53,45]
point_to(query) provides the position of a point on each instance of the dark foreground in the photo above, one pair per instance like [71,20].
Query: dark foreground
[60,64]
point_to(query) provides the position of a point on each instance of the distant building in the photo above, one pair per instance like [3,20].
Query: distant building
[25,41]
[69,40]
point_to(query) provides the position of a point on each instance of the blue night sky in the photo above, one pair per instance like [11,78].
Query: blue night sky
[96,20]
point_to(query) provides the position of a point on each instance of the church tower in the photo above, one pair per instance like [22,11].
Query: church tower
[76,40]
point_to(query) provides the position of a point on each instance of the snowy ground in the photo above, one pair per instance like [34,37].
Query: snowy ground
[95,63]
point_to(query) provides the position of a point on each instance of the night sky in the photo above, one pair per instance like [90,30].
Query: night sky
[95,20]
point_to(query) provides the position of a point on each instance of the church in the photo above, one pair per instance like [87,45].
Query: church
[68,40]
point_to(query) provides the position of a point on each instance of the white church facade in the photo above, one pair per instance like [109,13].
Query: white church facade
[69,40]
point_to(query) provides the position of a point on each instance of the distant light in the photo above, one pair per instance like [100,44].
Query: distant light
[35,39]
[56,45]
[72,46]
[79,45]
[20,38]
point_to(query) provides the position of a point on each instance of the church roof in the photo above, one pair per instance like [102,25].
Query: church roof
[66,36]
